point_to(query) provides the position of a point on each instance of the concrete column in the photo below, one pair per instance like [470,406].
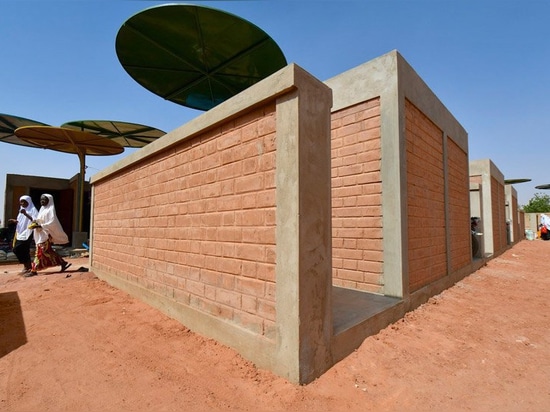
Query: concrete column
[304,239]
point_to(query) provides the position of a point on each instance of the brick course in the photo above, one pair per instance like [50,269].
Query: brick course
[425,199]
[459,202]
[197,221]
[357,197]
[498,200]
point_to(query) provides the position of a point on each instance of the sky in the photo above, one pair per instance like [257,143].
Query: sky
[487,61]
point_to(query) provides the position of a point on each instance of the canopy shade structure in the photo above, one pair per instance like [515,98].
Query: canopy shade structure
[543,187]
[8,125]
[195,56]
[515,181]
[125,134]
[70,141]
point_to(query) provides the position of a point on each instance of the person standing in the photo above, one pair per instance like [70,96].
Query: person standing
[544,227]
[23,235]
[47,232]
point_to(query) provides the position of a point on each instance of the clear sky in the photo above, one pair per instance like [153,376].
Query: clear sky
[488,62]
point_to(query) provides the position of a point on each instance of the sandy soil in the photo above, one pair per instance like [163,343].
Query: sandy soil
[77,344]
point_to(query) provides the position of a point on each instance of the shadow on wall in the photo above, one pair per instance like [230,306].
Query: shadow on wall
[12,325]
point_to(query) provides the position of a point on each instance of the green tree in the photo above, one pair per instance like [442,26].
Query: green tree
[540,203]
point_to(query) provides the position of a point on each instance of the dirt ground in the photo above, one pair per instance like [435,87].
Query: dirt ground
[77,344]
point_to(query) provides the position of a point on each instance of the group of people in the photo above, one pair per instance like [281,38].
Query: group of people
[44,227]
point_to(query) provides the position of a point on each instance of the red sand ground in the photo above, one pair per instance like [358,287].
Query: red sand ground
[81,345]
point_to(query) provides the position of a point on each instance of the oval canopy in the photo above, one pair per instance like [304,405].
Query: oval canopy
[547,186]
[8,125]
[123,133]
[515,181]
[68,140]
[195,56]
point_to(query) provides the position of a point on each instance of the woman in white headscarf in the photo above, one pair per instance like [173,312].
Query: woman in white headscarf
[544,227]
[47,232]
[23,235]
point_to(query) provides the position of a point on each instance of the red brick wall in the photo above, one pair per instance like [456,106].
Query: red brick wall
[515,220]
[197,222]
[459,201]
[498,201]
[357,197]
[425,199]
[521,223]
[476,179]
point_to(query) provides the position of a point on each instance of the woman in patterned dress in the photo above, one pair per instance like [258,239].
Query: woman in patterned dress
[47,232]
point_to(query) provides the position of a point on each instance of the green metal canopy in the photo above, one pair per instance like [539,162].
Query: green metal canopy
[515,181]
[124,133]
[195,56]
[543,187]
[8,125]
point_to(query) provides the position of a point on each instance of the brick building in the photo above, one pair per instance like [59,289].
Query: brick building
[295,219]
[492,200]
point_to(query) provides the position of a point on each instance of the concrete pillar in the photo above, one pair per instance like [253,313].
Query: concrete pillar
[304,238]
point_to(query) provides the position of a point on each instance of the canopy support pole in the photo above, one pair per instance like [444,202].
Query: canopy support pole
[80,190]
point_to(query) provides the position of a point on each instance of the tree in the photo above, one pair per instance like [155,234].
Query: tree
[540,203]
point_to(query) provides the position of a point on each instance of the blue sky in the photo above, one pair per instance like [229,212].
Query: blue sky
[487,61]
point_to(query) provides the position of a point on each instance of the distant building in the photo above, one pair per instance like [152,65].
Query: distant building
[62,190]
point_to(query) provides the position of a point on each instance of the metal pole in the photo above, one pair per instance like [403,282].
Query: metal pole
[80,190]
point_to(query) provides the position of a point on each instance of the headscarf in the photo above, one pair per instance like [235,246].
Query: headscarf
[22,229]
[47,219]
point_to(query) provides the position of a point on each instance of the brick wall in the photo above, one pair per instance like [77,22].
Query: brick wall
[476,179]
[357,197]
[498,200]
[521,224]
[459,211]
[196,222]
[198,219]
[425,199]
[515,221]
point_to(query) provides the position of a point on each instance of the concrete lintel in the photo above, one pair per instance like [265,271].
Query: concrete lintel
[486,168]
[475,187]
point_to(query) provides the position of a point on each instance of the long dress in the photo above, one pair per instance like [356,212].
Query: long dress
[49,233]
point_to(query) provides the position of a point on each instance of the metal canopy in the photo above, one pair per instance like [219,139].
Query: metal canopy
[123,133]
[515,181]
[547,186]
[70,141]
[195,56]
[8,125]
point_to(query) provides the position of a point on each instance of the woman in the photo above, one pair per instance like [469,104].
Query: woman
[544,227]
[23,235]
[47,231]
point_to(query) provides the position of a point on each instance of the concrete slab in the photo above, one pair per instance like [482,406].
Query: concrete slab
[353,307]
